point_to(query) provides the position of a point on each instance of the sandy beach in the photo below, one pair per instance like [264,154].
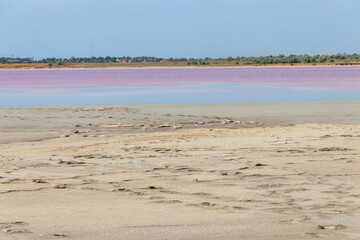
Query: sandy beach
[281,170]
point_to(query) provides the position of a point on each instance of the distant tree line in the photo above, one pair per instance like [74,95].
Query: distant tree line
[262,60]
[4,60]
[292,59]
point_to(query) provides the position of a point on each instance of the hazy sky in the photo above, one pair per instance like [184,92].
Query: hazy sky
[178,28]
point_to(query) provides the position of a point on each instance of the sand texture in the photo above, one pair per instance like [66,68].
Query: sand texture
[187,171]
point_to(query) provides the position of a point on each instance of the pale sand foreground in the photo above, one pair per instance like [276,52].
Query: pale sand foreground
[206,171]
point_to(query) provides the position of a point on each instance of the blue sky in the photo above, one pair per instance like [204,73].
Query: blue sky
[178,28]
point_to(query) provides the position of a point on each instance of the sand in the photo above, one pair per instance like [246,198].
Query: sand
[181,171]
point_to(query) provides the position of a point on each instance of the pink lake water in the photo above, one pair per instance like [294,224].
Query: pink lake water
[177,85]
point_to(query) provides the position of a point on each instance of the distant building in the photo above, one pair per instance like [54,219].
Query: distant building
[121,60]
[13,60]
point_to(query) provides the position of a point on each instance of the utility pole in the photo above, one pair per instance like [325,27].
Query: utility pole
[92,48]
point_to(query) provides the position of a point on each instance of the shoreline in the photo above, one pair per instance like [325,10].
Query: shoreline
[195,103]
[181,67]
[39,122]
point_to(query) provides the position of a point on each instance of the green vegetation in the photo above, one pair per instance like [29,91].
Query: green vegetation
[342,59]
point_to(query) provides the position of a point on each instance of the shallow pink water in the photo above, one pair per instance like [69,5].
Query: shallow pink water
[177,85]
[297,77]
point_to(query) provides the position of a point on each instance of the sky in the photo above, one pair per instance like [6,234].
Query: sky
[177,28]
